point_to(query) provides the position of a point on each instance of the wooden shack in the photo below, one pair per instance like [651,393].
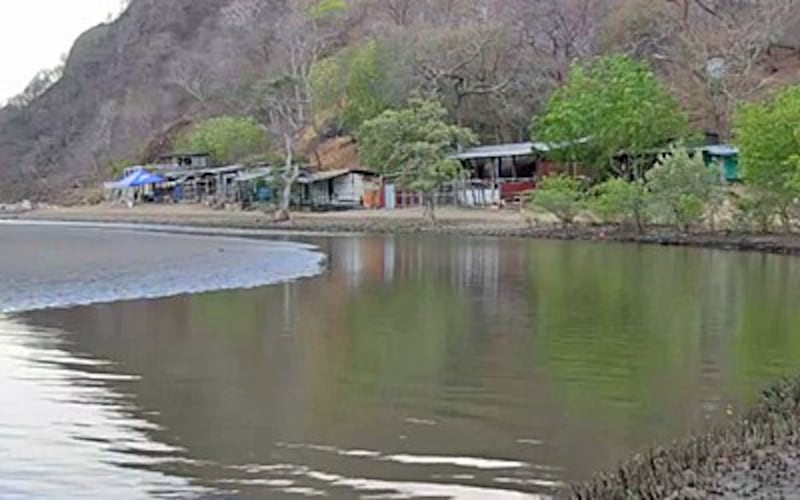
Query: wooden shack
[184,161]
[505,171]
[726,158]
[338,189]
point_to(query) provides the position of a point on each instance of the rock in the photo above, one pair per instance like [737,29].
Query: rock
[689,493]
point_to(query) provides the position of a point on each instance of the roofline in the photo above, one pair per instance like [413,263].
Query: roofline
[183,153]
[515,150]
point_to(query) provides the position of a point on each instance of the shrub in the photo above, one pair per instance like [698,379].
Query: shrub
[757,211]
[560,195]
[622,202]
[683,188]
[768,135]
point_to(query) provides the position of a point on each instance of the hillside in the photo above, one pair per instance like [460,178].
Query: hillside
[130,86]
[120,89]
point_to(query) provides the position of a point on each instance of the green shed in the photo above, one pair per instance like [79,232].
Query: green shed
[727,158]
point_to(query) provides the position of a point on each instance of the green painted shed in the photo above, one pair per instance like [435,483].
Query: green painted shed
[727,158]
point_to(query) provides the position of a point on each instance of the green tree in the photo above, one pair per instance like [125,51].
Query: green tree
[350,87]
[683,188]
[365,98]
[610,106]
[328,79]
[622,202]
[561,195]
[227,138]
[768,134]
[414,143]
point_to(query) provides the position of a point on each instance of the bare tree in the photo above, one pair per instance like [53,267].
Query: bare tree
[192,76]
[398,11]
[559,32]
[712,53]
[285,103]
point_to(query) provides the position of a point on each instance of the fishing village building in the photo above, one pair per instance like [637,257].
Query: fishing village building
[491,175]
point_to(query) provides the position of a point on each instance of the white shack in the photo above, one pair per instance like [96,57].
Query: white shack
[344,188]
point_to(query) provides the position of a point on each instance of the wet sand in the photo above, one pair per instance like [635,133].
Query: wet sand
[470,222]
[52,266]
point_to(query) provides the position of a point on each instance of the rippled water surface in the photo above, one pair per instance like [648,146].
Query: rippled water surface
[415,367]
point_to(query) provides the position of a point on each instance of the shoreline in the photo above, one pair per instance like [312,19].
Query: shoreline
[47,267]
[756,455]
[464,222]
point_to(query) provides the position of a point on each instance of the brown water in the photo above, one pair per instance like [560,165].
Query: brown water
[416,367]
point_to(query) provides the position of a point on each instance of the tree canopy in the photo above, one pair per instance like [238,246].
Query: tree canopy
[227,138]
[611,106]
[350,86]
[768,136]
[414,143]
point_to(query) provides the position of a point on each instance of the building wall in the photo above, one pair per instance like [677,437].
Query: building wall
[318,193]
[347,190]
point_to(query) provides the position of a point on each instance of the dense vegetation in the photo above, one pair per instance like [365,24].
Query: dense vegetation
[413,145]
[610,106]
[227,139]
[414,79]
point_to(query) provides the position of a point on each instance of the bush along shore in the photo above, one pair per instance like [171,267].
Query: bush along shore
[755,456]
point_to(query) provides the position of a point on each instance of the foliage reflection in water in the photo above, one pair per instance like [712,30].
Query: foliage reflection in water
[419,367]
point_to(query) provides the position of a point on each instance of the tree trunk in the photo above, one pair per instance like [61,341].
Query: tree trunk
[429,213]
[639,223]
[291,171]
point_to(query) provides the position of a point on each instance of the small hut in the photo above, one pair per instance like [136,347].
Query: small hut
[726,158]
[338,189]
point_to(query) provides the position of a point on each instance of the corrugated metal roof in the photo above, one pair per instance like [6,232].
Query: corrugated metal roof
[511,149]
[496,151]
[722,150]
[332,174]
[254,174]
[199,154]
[194,172]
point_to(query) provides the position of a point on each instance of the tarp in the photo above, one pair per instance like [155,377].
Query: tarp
[139,178]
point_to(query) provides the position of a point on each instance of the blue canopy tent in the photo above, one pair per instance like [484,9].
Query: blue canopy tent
[134,186]
[139,178]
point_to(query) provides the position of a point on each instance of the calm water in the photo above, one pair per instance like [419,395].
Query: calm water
[413,368]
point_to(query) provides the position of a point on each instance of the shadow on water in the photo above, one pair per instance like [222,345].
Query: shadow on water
[418,368]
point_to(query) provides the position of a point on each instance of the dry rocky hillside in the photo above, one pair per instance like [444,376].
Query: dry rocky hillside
[125,84]
[131,85]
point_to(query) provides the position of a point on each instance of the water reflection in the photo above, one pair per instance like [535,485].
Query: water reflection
[64,433]
[434,367]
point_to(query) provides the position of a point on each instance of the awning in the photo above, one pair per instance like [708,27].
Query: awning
[137,179]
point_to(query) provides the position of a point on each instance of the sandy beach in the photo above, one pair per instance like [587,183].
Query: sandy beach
[45,266]
[460,221]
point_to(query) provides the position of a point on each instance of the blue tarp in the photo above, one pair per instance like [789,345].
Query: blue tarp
[139,178]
